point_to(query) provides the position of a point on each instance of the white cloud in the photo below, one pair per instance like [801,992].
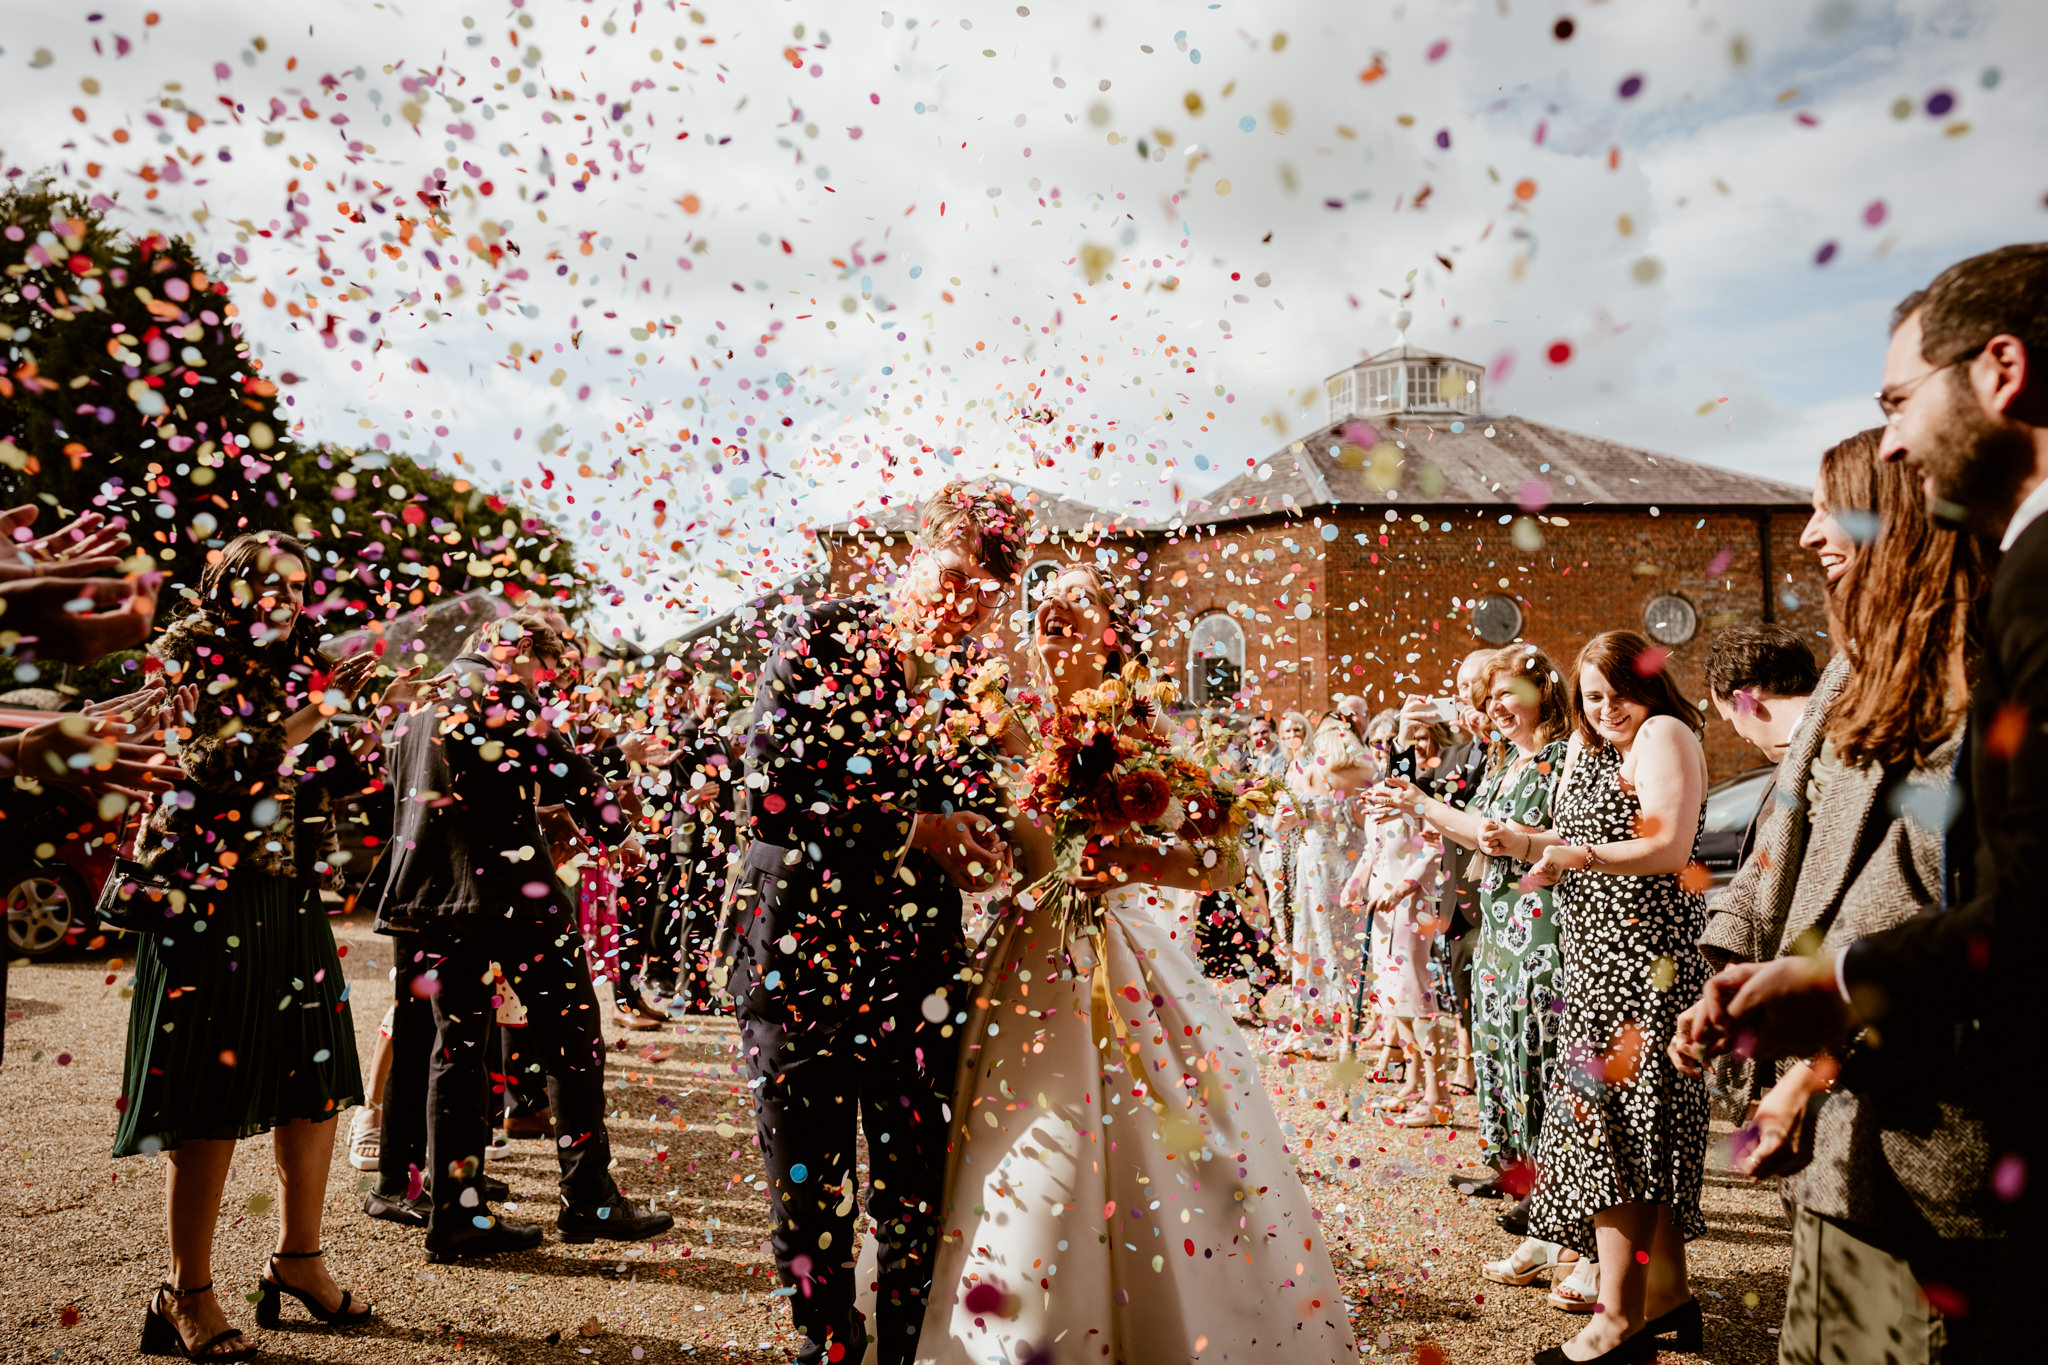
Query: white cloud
[1737,309]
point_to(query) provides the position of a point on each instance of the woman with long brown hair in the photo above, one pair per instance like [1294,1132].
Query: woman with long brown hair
[1621,1154]
[240,1022]
[1883,1166]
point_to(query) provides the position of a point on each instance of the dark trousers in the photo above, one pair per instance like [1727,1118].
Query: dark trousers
[891,1073]
[646,944]
[551,977]
[518,1088]
[404,1142]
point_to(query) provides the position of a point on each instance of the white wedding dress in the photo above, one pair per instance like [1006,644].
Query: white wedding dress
[1094,1214]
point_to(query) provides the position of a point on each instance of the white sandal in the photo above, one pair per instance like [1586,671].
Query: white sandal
[1528,1263]
[1578,1292]
[365,1140]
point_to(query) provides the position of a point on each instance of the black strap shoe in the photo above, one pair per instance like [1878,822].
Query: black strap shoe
[615,1220]
[271,1292]
[498,1239]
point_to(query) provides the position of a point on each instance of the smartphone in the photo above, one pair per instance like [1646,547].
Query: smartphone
[1447,710]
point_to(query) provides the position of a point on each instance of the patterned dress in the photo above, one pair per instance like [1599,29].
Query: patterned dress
[1514,966]
[1620,1125]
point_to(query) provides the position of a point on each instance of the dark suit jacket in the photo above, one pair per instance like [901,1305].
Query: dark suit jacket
[467,781]
[828,921]
[1972,965]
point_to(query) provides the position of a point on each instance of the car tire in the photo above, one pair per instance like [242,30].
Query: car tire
[47,904]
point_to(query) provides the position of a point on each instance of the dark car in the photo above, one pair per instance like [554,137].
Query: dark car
[1731,805]
[52,864]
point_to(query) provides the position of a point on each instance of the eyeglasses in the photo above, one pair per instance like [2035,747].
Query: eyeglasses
[1893,403]
[962,589]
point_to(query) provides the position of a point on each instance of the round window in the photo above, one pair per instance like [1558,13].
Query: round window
[1497,619]
[1670,620]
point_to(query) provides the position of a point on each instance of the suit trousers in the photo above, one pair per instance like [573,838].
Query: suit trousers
[545,964]
[404,1141]
[892,1075]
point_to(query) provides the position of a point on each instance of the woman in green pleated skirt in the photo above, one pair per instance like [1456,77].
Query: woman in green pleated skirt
[240,1022]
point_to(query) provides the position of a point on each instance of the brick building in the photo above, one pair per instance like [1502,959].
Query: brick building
[1372,554]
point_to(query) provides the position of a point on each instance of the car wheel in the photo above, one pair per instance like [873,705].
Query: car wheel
[44,904]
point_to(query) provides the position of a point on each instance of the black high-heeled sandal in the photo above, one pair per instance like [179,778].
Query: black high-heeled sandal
[161,1337]
[270,1296]
[1686,1321]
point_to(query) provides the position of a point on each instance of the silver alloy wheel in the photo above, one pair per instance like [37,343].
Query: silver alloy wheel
[41,909]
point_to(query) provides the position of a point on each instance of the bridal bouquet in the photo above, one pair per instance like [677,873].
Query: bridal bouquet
[1101,773]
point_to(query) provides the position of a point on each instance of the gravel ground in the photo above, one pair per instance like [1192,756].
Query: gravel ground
[81,1238]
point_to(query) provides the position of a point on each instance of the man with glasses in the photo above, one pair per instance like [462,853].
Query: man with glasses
[1965,399]
[845,938]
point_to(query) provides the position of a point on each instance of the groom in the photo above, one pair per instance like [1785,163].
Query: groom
[848,916]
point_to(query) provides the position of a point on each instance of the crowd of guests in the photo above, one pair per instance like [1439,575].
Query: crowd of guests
[1514,866]
[1495,890]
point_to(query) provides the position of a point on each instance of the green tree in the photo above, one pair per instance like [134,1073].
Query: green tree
[126,386]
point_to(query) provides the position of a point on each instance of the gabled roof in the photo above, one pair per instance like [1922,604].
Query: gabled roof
[1492,462]
[1057,516]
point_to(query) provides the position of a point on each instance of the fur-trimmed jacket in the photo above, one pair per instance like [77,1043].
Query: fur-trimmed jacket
[249,800]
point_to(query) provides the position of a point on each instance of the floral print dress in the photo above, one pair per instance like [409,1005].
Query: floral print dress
[1514,965]
[1620,1124]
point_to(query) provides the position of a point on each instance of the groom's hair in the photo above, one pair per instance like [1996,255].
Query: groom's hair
[985,516]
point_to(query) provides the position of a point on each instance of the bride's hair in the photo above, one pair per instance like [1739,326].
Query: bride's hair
[1108,593]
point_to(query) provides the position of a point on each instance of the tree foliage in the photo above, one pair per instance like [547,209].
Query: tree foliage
[126,386]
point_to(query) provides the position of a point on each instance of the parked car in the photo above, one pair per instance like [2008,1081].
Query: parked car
[1731,806]
[52,864]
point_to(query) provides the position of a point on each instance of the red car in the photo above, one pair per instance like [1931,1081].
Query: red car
[55,854]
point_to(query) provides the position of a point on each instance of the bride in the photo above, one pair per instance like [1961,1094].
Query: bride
[1127,1199]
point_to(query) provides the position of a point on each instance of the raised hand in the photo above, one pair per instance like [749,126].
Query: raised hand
[88,753]
[77,620]
[400,691]
[353,674]
[86,547]
[1393,797]
[1787,1008]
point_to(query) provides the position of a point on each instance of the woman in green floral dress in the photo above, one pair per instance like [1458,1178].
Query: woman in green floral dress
[1515,961]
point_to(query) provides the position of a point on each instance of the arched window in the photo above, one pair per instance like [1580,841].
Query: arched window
[1215,660]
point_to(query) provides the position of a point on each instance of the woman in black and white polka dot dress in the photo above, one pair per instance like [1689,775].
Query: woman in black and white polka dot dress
[1623,1145]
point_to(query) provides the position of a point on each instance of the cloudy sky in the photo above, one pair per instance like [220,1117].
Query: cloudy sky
[753,259]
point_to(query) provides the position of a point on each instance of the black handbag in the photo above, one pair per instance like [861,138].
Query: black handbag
[135,897]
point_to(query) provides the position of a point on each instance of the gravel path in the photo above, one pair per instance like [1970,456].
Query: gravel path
[81,1235]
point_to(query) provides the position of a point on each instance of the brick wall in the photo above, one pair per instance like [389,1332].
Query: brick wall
[1352,602]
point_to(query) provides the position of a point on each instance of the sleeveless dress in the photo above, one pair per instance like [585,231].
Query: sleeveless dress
[1620,1125]
[1514,967]
[1129,1202]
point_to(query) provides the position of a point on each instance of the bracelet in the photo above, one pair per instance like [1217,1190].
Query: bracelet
[1593,859]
